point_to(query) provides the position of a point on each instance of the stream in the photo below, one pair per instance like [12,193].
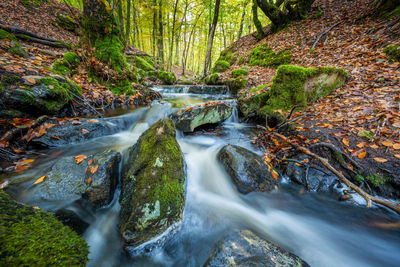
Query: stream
[315,226]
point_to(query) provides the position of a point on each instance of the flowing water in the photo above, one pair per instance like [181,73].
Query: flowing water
[314,226]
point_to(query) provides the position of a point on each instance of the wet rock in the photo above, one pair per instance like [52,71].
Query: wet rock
[66,180]
[188,120]
[246,169]
[244,248]
[316,179]
[70,218]
[79,130]
[211,90]
[30,236]
[345,197]
[152,196]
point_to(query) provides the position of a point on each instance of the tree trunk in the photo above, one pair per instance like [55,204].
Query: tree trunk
[160,42]
[207,62]
[242,21]
[128,21]
[257,23]
[171,46]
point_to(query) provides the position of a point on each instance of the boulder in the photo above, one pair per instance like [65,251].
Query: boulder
[244,248]
[30,236]
[246,169]
[292,86]
[67,180]
[152,197]
[187,120]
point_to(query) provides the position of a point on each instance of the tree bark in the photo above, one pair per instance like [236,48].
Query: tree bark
[242,21]
[256,21]
[160,41]
[171,46]
[207,62]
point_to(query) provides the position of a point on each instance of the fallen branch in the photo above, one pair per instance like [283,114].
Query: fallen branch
[368,198]
[323,33]
[11,134]
[25,35]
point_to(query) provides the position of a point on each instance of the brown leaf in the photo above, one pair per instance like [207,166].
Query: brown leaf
[396,146]
[55,137]
[31,81]
[93,120]
[84,131]
[90,162]
[388,144]
[27,161]
[89,180]
[380,160]
[362,155]
[4,144]
[41,179]
[80,158]
[274,174]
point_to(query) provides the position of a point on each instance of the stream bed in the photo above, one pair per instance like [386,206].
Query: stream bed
[314,226]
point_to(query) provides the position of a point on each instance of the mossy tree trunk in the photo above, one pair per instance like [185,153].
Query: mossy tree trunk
[257,23]
[282,12]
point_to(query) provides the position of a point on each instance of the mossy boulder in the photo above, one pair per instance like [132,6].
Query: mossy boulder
[188,120]
[292,86]
[212,79]
[246,169]
[67,180]
[67,65]
[32,237]
[47,95]
[140,63]
[245,248]
[221,66]
[167,77]
[265,56]
[13,47]
[152,197]
[228,56]
[239,73]
[237,84]
[393,52]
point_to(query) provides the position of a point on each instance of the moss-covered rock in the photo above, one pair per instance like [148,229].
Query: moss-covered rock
[167,77]
[292,86]
[239,72]
[235,85]
[32,237]
[152,196]
[265,56]
[48,95]
[221,66]
[141,63]
[212,79]
[67,65]
[393,52]
[228,56]
[66,22]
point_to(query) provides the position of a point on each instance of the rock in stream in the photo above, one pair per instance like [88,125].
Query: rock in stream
[152,196]
[247,169]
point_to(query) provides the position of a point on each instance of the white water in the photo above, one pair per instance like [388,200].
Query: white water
[316,227]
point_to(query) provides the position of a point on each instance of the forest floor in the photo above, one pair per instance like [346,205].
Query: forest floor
[362,117]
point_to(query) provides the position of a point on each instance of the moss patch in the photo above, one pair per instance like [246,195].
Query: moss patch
[33,237]
[211,79]
[393,52]
[15,47]
[143,64]
[221,66]
[264,56]
[167,77]
[239,72]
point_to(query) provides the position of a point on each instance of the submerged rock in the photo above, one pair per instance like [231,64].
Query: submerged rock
[67,180]
[244,248]
[31,236]
[187,120]
[247,169]
[152,196]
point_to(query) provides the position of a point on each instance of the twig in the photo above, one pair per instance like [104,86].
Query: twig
[307,185]
[10,135]
[323,33]
[368,198]
[307,165]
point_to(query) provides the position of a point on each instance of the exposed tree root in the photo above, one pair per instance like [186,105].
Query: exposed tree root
[368,198]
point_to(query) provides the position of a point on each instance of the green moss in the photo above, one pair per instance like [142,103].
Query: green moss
[32,3]
[30,237]
[143,64]
[376,179]
[71,59]
[167,77]
[393,52]
[211,79]
[318,14]
[235,85]
[66,22]
[239,72]
[221,66]
[60,68]
[149,60]
[264,56]
[110,50]
[240,61]
[15,47]
[6,35]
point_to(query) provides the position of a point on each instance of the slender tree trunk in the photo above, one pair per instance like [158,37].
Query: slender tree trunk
[160,42]
[223,34]
[128,21]
[173,34]
[207,62]
[121,19]
[242,21]
[257,23]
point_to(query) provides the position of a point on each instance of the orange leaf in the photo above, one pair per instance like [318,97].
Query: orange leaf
[396,146]
[386,143]
[362,155]
[94,169]
[93,120]
[55,137]
[374,146]
[16,150]
[380,160]
[274,175]
[80,158]
[31,81]
[4,143]
[397,156]
[27,161]
[345,141]
[90,162]
[89,180]
[41,179]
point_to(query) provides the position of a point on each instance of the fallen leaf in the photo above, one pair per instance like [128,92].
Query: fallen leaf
[93,120]
[89,180]
[388,144]
[27,161]
[345,141]
[362,155]
[16,150]
[4,143]
[84,131]
[380,160]
[396,146]
[55,137]
[274,174]
[373,146]
[397,156]
[80,158]
[94,169]
[31,81]
[41,179]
